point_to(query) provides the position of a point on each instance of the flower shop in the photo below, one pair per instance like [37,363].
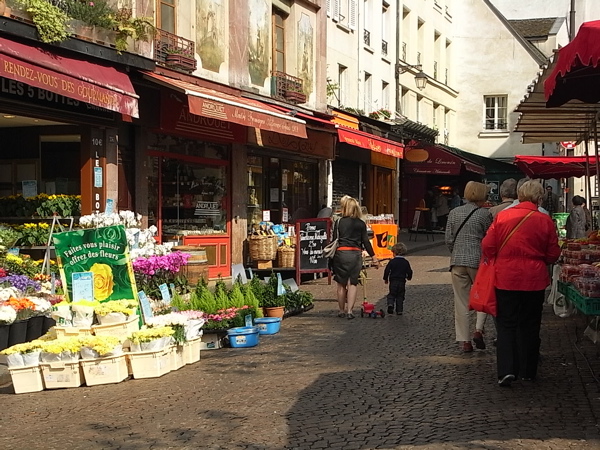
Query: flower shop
[114,304]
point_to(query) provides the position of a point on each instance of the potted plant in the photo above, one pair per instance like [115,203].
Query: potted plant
[273,304]
[127,26]
[181,58]
[49,20]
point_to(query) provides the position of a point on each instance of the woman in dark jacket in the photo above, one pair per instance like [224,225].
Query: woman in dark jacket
[351,232]
[521,280]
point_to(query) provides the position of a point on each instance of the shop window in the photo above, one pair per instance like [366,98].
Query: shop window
[13,172]
[495,112]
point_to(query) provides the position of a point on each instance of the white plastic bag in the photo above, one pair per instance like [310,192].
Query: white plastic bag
[15,360]
[83,316]
[113,317]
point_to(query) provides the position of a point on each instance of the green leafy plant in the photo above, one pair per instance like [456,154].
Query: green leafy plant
[270,297]
[96,13]
[49,20]
[127,26]
[236,298]
[8,237]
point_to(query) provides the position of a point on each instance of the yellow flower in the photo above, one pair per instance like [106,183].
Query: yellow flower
[103,281]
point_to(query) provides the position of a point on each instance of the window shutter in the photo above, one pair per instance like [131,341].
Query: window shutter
[336,10]
[328,8]
[352,13]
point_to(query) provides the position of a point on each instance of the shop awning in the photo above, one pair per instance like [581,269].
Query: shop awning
[370,142]
[81,80]
[576,74]
[430,159]
[547,167]
[230,108]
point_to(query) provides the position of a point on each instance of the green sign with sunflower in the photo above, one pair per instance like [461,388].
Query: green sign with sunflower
[102,251]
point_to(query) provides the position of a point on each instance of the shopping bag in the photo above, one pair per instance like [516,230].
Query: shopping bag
[482,297]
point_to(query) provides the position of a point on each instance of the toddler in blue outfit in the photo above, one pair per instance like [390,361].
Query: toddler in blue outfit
[396,273]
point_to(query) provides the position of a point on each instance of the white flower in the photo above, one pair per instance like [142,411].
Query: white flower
[6,293]
[166,320]
[7,315]
[41,304]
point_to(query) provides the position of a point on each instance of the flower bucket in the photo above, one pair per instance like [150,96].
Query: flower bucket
[35,326]
[243,337]
[4,330]
[49,322]
[268,325]
[17,333]
[112,318]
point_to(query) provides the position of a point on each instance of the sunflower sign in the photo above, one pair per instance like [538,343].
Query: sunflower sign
[102,252]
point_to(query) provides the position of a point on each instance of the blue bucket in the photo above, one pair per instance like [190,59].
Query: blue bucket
[268,325]
[243,337]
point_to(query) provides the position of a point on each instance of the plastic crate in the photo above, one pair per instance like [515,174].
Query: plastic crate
[212,341]
[121,330]
[72,331]
[59,375]
[149,364]
[27,379]
[191,351]
[562,287]
[588,306]
[107,370]
[176,357]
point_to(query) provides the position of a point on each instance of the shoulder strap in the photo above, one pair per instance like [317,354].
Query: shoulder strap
[335,228]
[513,231]
[463,223]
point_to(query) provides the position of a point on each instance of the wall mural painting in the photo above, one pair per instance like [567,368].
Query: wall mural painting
[211,23]
[259,41]
[305,53]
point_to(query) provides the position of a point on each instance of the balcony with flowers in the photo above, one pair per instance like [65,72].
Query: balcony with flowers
[174,51]
[288,88]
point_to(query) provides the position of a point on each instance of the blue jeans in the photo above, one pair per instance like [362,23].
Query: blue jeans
[396,295]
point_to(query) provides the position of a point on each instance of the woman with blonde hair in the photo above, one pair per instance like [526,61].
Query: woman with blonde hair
[522,241]
[351,232]
[466,227]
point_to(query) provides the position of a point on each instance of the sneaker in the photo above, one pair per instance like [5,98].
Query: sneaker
[399,313]
[507,380]
[350,316]
[341,314]
[467,347]
[478,339]
[390,309]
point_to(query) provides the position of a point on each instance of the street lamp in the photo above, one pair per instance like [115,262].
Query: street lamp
[420,76]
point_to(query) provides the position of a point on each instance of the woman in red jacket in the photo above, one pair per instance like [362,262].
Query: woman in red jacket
[521,280]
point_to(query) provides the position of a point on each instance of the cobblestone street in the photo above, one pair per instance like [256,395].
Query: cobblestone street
[325,382]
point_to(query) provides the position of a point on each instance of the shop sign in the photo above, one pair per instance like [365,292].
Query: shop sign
[317,144]
[431,161]
[98,162]
[384,238]
[206,209]
[176,118]
[67,86]
[16,90]
[101,251]
[370,142]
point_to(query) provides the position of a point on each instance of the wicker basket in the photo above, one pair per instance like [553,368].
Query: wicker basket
[285,257]
[262,248]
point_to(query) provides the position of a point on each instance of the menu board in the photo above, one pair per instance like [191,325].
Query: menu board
[312,235]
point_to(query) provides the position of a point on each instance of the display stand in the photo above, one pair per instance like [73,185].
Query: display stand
[312,236]
[55,224]
[414,229]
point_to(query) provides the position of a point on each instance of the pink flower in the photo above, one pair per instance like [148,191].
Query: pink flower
[92,4]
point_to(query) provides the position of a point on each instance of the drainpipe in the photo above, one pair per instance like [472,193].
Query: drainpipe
[572,21]
[396,71]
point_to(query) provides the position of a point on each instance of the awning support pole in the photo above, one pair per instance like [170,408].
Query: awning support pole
[588,179]
[597,162]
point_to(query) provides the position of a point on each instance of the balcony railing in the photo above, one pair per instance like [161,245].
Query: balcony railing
[384,48]
[418,57]
[403,55]
[435,70]
[287,87]
[174,51]
[367,37]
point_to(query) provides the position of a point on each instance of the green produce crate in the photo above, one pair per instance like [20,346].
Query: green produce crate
[563,287]
[588,306]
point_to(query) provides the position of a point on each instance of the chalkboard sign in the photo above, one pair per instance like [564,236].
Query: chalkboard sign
[312,235]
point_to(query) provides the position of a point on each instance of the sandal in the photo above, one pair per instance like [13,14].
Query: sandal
[341,314]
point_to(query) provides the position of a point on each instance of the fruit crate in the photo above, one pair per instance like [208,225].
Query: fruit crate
[563,287]
[588,306]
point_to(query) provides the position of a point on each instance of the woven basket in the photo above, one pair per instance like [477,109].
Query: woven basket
[262,248]
[285,257]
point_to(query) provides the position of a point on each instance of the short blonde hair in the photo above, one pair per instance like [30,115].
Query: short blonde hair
[531,191]
[476,192]
[351,208]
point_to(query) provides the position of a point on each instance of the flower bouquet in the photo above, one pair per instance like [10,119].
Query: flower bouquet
[61,313]
[93,347]
[24,307]
[151,339]
[194,323]
[23,355]
[117,311]
[62,349]
[7,314]
[175,321]
[83,313]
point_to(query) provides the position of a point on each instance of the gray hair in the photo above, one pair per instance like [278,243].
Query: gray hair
[508,188]
[521,182]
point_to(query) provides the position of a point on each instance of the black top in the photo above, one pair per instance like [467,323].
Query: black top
[398,269]
[352,232]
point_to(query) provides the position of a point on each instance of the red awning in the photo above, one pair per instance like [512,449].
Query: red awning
[78,79]
[547,167]
[434,160]
[576,74]
[230,108]
[371,142]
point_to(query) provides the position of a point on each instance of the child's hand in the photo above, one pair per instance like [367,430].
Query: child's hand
[385,281]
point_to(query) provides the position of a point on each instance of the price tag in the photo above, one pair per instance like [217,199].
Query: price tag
[83,286]
[164,292]
[248,320]
[145,304]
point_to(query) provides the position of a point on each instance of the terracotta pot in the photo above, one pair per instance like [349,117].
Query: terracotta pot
[276,311]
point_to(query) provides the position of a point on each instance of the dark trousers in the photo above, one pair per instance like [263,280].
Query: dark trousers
[396,295]
[518,326]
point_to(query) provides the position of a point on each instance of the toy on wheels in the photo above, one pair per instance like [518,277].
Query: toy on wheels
[368,309]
